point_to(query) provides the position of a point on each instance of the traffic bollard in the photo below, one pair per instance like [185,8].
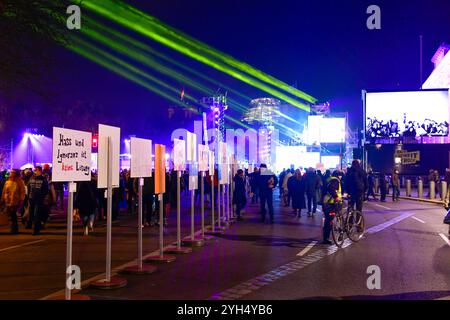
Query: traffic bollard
[432,190]
[408,187]
[420,189]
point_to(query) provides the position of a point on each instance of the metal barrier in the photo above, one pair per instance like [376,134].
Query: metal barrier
[408,187]
[432,192]
[420,189]
[443,190]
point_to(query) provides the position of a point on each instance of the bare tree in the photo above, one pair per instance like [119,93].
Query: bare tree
[29,31]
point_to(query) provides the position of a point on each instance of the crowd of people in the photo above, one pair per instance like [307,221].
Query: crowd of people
[393,128]
[31,194]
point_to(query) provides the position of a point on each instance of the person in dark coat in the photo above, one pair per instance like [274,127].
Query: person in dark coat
[148,192]
[37,190]
[356,185]
[296,186]
[239,197]
[86,203]
[254,176]
[383,189]
[313,184]
[267,181]
[371,186]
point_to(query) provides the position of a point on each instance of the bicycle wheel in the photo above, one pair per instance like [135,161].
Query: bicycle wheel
[355,225]
[337,231]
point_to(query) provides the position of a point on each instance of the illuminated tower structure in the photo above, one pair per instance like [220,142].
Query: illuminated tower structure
[218,105]
[263,113]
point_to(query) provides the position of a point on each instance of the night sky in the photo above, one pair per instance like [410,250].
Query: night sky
[321,46]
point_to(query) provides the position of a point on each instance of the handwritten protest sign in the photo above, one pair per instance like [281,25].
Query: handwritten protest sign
[71,155]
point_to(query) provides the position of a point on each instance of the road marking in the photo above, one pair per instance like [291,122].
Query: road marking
[256,283]
[22,245]
[114,271]
[444,238]
[308,247]
[418,219]
[388,223]
[384,207]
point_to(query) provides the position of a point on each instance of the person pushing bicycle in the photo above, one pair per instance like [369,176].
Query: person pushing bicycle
[332,203]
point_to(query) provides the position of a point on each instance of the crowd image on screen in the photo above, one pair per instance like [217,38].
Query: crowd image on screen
[406,128]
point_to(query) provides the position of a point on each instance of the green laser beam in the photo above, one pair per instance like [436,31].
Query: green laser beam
[140,56]
[128,66]
[86,51]
[147,49]
[182,37]
[131,21]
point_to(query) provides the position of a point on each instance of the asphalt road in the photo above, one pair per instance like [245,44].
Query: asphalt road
[406,240]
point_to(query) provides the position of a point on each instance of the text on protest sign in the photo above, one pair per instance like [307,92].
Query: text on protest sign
[71,155]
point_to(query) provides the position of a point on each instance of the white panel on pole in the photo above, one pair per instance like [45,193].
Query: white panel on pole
[141,158]
[179,155]
[191,145]
[193,176]
[71,155]
[224,173]
[103,133]
[222,152]
[203,155]
[211,163]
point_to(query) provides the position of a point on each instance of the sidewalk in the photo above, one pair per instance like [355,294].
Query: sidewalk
[414,196]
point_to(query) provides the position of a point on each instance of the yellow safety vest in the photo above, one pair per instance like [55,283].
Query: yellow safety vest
[328,198]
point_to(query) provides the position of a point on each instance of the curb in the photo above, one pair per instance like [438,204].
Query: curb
[417,199]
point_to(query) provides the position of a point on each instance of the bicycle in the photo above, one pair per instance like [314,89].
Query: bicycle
[348,222]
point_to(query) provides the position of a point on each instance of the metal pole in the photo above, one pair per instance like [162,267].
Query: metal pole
[420,189]
[408,187]
[232,196]
[178,210]
[141,183]
[223,202]
[218,203]
[109,213]
[11,161]
[421,63]
[161,225]
[202,195]
[212,204]
[69,238]
[228,197]
[432,190]
[444,191]
[192,213]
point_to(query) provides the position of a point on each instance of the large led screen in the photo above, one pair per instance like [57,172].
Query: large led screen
[326,130]
[407,114]
[295,157]
[332,130]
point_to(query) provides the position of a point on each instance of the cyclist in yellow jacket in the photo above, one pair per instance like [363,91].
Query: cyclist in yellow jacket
[332,202]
